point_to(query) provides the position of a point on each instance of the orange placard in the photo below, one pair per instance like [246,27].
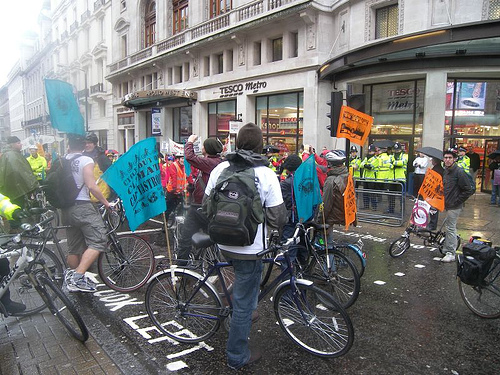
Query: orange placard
[432,189]
[354,125]
[349,203]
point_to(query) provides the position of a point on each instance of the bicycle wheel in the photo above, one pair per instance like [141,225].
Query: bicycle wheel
[128,264]
[354,256]
[21,289]
[399,246]
[483,301]
[323,329]
[341,280]
[178,313]
[62,308]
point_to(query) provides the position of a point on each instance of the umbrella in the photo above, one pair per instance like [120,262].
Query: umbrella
[432,152]
[384,143]
[494,154]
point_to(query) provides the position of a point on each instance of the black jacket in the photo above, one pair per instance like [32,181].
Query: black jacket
[457,187]
[100,158]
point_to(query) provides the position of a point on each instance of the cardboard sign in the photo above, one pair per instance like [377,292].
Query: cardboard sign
[432,189]
[354,125]
[349,203]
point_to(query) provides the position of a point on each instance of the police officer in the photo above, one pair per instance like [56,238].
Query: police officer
[463,160]
[385,174]
[399,164]
[369,166]
[354,163]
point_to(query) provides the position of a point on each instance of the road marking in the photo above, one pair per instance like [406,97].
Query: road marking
[419,266]
[379,282]
[174,366]
[399,274]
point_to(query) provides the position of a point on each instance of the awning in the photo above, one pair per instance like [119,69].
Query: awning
[158,98]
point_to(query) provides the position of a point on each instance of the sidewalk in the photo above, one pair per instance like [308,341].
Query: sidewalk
[41,345]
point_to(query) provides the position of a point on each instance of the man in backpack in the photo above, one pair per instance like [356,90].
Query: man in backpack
[101,163]
[193,221]
[247,266]
[87,233]
[457,190]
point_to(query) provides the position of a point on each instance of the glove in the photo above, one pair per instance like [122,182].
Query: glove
[368,166]
[19,214]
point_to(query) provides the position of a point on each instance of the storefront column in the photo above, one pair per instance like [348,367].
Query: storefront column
[434,107]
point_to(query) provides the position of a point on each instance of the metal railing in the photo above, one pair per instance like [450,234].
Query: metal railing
[380,201]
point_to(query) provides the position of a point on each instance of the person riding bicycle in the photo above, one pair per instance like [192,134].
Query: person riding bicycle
[10,212]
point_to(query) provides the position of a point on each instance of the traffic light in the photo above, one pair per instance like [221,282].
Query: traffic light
[357,101]
[335,104]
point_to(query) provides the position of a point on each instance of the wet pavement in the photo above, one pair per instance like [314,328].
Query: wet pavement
[409,318]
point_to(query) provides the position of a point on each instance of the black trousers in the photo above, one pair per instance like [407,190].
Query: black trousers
[4,270]
[193,222]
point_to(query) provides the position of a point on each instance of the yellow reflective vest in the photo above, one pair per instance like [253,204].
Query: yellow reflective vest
[369,166]
[38,166]
[464,163]
[399,163]
[384,170]
[355,167]
[6,207]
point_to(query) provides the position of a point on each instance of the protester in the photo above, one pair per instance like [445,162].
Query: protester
[333,192]
[247,267]
[101,164]
[290,165]
[494,167]
[176,185]
[420,163]
[320,164]
[10,212]
[193,220]
[37,163]
[16,177]
[86,232]
[434,214]
[457,190]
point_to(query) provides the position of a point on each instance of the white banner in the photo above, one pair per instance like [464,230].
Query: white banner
[174,147]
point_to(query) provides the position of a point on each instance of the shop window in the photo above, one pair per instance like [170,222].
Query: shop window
[257,52]
[494,10]
[180,10]
[183,124]
[294,44]
[386,21]
[281,119]
[219,115]
[150,23]
[277,49]
[218,7]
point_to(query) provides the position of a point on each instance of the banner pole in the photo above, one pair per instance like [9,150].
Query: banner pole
[169,252]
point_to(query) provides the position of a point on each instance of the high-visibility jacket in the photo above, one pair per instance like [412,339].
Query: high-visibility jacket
[177,182]
[369,166]
[399,163]
[6,207]
[464,163]
[384,170]
[354,167]
[38,166]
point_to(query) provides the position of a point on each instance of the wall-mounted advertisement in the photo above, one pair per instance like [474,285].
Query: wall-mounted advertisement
[155,121]
[470,98]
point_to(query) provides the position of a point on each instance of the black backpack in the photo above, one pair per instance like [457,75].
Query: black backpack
[234,209]
[474,263]
[60,187]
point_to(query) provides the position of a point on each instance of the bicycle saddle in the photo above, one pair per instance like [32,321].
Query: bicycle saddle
[201,240]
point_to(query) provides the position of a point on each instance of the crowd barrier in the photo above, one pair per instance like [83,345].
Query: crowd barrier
[380,201]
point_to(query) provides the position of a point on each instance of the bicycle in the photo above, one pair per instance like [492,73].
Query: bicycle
[484,299]
[39,275]
[431,238]
[331,271]
[186,307]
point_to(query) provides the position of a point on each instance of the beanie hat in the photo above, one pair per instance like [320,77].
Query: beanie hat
[250,138]
[212,146]
[291,163]
[13,139]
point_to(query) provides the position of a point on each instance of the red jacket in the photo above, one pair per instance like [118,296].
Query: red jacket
[176,178]
[204,165]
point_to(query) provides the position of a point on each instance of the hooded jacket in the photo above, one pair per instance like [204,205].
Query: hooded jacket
[16,177]
[457,188]
[333,196]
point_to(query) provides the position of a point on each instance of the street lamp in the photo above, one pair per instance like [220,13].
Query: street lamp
[86,93]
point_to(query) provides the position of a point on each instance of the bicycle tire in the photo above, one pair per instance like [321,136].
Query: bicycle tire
[62,308]
[399,246]
[356,258]
[167,307]
[22,290]
[128,264]
[341,281]
[322,329]
[484,301]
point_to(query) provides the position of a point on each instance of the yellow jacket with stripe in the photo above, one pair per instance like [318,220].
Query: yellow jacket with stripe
[6,207]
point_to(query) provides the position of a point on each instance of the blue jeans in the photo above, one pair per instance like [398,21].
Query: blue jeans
[495,194]
[245,297]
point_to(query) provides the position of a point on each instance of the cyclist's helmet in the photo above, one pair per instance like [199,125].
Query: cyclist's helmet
[335,157]
[91,137]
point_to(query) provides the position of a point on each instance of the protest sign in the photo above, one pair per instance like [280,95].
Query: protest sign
[354,125]
[349,203]
[432,190]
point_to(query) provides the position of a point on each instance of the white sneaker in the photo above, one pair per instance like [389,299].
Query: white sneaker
[448,258]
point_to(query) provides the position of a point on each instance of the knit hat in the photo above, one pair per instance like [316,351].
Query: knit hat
[292,162]
[13,139]
[212,146]
[250,138]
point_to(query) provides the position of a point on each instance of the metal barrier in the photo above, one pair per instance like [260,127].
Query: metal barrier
[380,201]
